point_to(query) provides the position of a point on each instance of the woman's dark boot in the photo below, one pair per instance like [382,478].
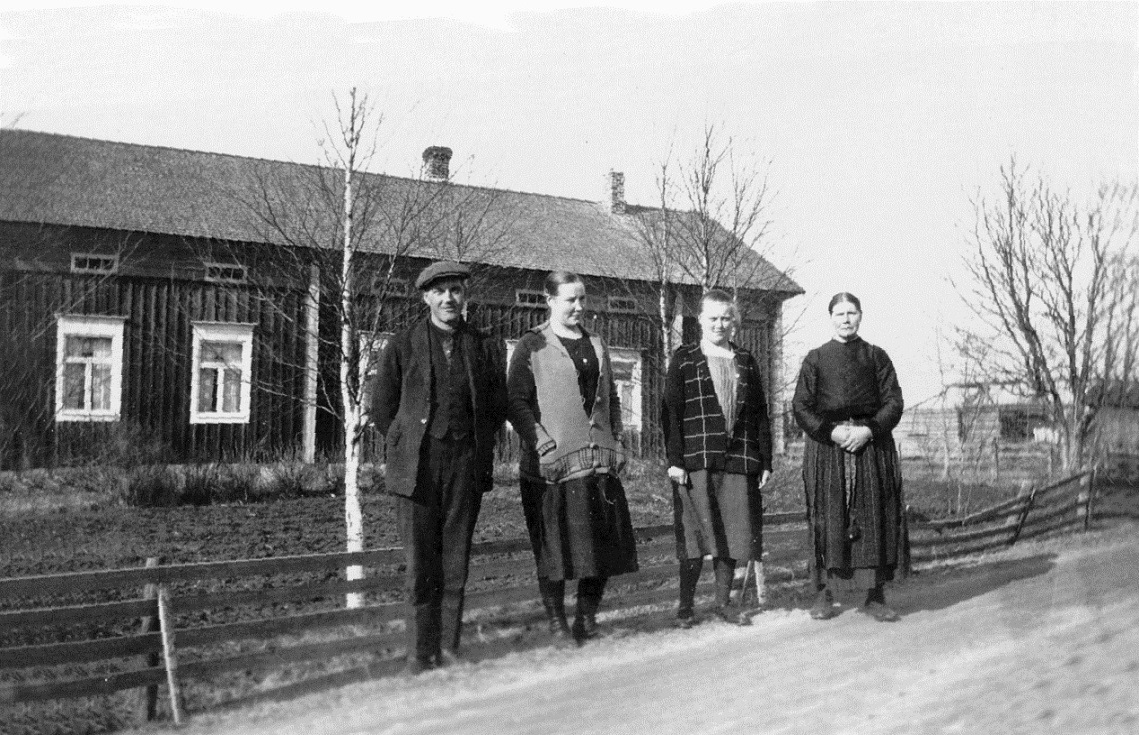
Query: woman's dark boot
[689,578]
[554,601]
[589,593]
[725,570]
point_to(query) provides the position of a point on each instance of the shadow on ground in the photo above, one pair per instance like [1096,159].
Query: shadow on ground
[926,590]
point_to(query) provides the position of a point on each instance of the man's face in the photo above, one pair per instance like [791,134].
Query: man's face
[445,297]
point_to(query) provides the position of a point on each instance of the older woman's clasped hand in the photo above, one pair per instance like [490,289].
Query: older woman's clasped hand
[851,438]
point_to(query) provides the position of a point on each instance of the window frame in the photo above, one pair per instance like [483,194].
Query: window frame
[216,266]
[111,270]
[521,293]
[613,304]
[632,413]
[227,332]
[98,327]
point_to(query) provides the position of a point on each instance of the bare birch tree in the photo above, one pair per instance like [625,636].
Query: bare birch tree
[710,226]
[1040,278]
[352,229]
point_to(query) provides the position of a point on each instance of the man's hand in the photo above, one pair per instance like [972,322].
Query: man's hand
[764,478]
[678,475]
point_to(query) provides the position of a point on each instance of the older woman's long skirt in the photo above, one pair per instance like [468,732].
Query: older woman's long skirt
[857,496]
[579,528]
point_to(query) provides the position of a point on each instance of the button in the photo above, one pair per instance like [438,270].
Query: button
[423,421]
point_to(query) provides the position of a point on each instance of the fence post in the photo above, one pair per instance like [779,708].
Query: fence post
[907,560]
[148,702]
[1023,516]
[166,625]
[1086,496]
[996,460]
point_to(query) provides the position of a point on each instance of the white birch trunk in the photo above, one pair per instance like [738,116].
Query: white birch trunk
[312,367]
[353,513]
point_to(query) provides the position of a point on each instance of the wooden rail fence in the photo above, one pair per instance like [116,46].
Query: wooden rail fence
[205,619]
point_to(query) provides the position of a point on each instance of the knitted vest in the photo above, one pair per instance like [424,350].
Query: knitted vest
[584,445]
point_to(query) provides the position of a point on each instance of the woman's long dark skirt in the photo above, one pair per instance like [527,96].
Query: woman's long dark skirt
[876,508]
[579,528]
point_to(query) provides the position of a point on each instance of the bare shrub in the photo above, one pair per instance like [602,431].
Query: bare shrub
[151,486]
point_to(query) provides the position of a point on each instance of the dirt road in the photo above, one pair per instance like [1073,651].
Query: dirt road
[1043,640]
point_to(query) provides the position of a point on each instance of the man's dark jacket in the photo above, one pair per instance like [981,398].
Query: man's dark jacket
[401,401]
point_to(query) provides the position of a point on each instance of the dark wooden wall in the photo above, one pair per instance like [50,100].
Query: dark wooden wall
[160,291]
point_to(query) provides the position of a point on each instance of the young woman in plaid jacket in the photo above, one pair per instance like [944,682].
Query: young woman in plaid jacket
[718,443]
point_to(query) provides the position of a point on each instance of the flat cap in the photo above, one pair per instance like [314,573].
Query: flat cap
[442,269]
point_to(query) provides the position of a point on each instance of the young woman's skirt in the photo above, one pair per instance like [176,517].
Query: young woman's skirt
[854,510]
[579,528]
[714,514]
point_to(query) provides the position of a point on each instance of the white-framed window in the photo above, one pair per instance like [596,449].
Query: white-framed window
[88,368]
[220,382]
[93,263]
[529,297]
[226,273]
[622,304]
[627,368]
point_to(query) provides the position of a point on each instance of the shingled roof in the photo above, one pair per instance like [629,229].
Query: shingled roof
[64,180]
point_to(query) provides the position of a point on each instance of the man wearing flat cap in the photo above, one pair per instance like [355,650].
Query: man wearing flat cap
[439,400]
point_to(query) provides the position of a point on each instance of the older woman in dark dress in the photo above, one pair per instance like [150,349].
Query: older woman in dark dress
[847,401]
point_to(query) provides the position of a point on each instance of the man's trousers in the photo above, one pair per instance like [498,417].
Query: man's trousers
[436,525]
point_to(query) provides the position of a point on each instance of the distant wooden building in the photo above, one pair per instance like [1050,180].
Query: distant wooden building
[1115,429]
[145,306]
[968,417]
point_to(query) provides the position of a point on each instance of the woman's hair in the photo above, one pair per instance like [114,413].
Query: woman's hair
[557,278]
[719,296]
[844,297]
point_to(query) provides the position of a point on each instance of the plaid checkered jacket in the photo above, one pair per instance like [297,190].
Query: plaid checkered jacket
[695,432]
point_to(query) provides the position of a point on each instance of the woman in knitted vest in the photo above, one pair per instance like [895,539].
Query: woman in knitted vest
[718,442]
[563,404]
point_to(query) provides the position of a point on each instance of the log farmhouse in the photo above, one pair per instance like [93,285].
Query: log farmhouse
[176,300]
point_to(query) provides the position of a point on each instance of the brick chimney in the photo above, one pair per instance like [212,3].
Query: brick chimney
[613,195]
[436,163]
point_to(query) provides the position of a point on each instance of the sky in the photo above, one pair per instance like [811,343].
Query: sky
[880,120]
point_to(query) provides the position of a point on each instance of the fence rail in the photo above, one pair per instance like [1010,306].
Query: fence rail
[171,645]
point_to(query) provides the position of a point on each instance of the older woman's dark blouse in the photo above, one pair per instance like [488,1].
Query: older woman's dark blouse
[842,381]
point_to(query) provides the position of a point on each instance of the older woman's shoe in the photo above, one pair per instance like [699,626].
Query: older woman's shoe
[881,612]
[876,607]
[823,609]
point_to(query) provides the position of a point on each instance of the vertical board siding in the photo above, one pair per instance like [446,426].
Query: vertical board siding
[159,313]
[157,345]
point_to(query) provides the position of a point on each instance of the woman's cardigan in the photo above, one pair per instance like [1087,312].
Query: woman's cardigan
[696,435]
[560,442]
